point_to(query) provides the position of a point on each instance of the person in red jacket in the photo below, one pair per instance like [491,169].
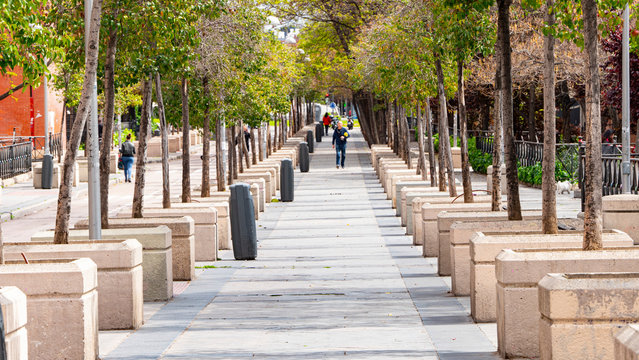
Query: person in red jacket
[326,120]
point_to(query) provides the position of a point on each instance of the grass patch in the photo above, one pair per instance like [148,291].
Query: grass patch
[212,267]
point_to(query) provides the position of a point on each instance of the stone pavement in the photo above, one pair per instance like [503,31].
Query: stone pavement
[335,278]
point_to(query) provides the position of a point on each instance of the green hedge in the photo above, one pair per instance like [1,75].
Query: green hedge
[478,160]
[527,174]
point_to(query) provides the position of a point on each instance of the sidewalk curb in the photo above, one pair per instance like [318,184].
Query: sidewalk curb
[8,216]
[18,213]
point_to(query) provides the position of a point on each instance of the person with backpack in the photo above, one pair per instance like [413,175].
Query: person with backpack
[326,120]
[128,151]
[340,135]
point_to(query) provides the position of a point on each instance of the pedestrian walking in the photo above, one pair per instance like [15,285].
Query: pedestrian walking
[340,135]
[326,120]
[247,138]
[128,151]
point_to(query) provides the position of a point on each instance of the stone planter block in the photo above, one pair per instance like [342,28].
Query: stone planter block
[205,218]
[416,201]
[393,188]
[268,180]
[113,163]
[386,165]
[255,194]
[462,232]
[55,180]
[519,271]
[62,306]
[429,212]
[403,184]
[260,199]
[83,169]
[223,219]
[446,219]
[14,314]
[489,179]
[154,147]
[411,194]
[627,343]
[485,247]
[182,238]
[387,180]
[581,313]
[456,152]
[120,304]
[622,212]
[270,165]
[157,262]
[270,171]
[174,144]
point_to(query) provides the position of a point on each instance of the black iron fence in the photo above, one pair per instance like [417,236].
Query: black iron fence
[530,153]
[37,144]
[15,159]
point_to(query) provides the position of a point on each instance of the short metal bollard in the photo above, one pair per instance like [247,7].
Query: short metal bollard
[243,229]
[304,159]
[311,141]
[319,131]
[47,171]
[287,180]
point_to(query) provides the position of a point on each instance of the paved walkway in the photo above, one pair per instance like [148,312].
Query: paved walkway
[335,278]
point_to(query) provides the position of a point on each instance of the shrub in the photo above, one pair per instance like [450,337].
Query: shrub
[478,160]
[125,132]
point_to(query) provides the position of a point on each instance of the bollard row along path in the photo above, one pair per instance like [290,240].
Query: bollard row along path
[335,277]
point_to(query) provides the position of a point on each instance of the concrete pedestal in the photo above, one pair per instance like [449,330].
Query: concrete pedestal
[62,306]
[518,273]
[581,313]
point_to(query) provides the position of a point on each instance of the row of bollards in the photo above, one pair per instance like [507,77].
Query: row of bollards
[241,206]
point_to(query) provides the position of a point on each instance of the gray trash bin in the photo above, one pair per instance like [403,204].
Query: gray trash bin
[310,139]
[319,131]
[304,159]
[243,230]
[287,180]
[47,171]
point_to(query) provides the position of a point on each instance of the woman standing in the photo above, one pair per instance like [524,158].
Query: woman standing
[127,150]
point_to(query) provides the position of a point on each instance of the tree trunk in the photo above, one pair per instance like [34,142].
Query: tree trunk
[143,139]
[231,154]
[260,142]
[420,143]
[468,187]
[205,190]
[565,111]
[240,149]
[548,186]
[255,150]
[107,126]
[219,154]
[532,129]
[431,147]
[503,22]
[274,134]
[61,235]
[186,143]
[164,131]
[497,138]
[407,139]
[444,138]
[593,182]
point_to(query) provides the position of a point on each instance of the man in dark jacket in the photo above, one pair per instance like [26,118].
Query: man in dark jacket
[340,135]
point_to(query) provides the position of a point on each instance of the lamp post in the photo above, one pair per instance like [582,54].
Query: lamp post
[95,227]
[625,102]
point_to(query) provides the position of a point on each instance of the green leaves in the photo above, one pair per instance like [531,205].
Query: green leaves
[26,40]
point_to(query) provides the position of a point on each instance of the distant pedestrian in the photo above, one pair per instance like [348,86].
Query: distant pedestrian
[326,120]
[608,139]
[247,138]
[340,135]
[128,151]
